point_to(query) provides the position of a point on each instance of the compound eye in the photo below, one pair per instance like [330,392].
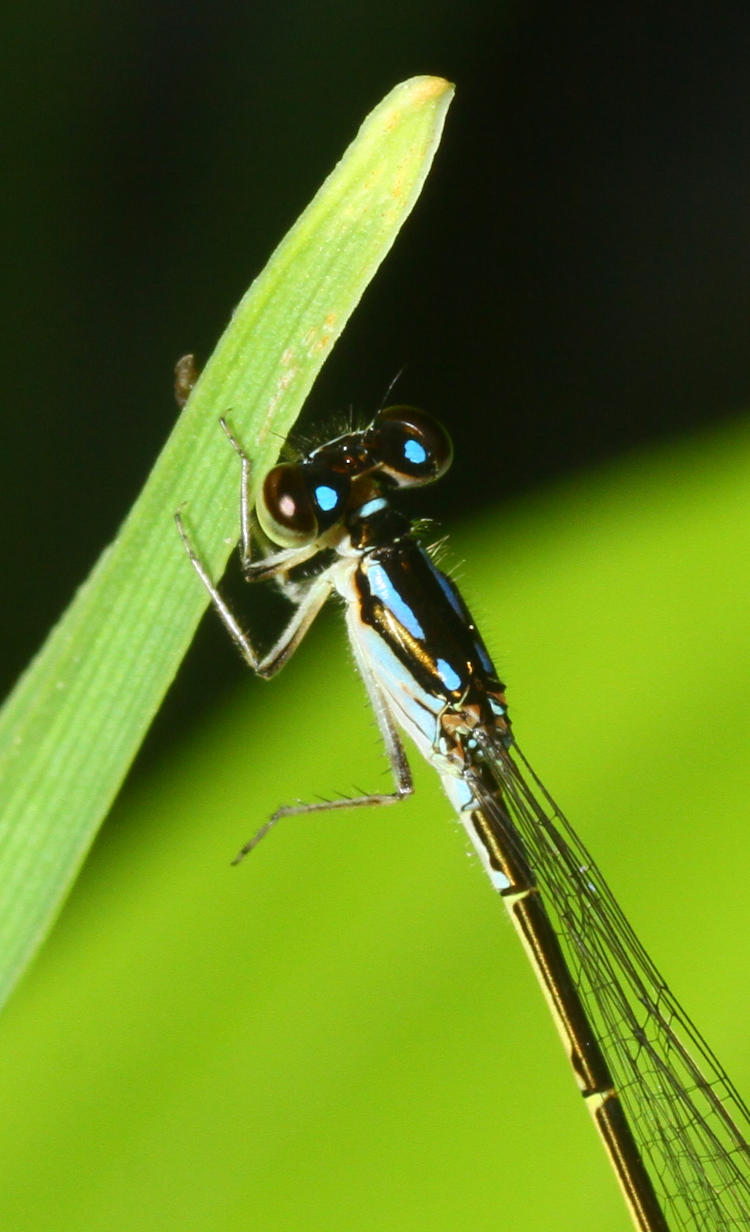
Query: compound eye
[284,508]
[409,446]
[298,502]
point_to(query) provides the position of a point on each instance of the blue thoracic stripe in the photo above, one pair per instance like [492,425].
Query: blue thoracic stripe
[382,587]
[448,675]
[447,588]
[417,707]
[453,597]
[419,614]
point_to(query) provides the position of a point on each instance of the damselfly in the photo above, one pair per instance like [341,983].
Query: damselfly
[672,1123]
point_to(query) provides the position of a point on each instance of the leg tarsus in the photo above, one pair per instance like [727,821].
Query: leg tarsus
[246,533]
[404,785]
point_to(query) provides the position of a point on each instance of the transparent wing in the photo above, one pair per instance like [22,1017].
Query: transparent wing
[689,1121]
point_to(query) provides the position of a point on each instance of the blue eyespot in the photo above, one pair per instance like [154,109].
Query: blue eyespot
[326,497]
[382,587]
[408,446]
[415,453]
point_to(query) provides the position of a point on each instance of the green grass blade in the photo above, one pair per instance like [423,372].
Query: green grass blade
[71,728]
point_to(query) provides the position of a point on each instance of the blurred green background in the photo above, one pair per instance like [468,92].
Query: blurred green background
[207,1048]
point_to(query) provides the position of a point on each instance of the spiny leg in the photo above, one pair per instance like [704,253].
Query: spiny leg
[266,665]
[245,520]
[397,760]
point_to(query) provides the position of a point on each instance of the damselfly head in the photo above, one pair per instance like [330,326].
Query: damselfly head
[301,502]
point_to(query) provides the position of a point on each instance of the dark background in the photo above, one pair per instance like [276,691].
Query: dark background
[574,282]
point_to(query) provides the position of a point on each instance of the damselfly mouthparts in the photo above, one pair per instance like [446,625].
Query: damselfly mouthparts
[672,1123]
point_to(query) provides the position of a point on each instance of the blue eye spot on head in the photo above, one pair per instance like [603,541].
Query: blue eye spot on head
[326,497]
[415,453]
